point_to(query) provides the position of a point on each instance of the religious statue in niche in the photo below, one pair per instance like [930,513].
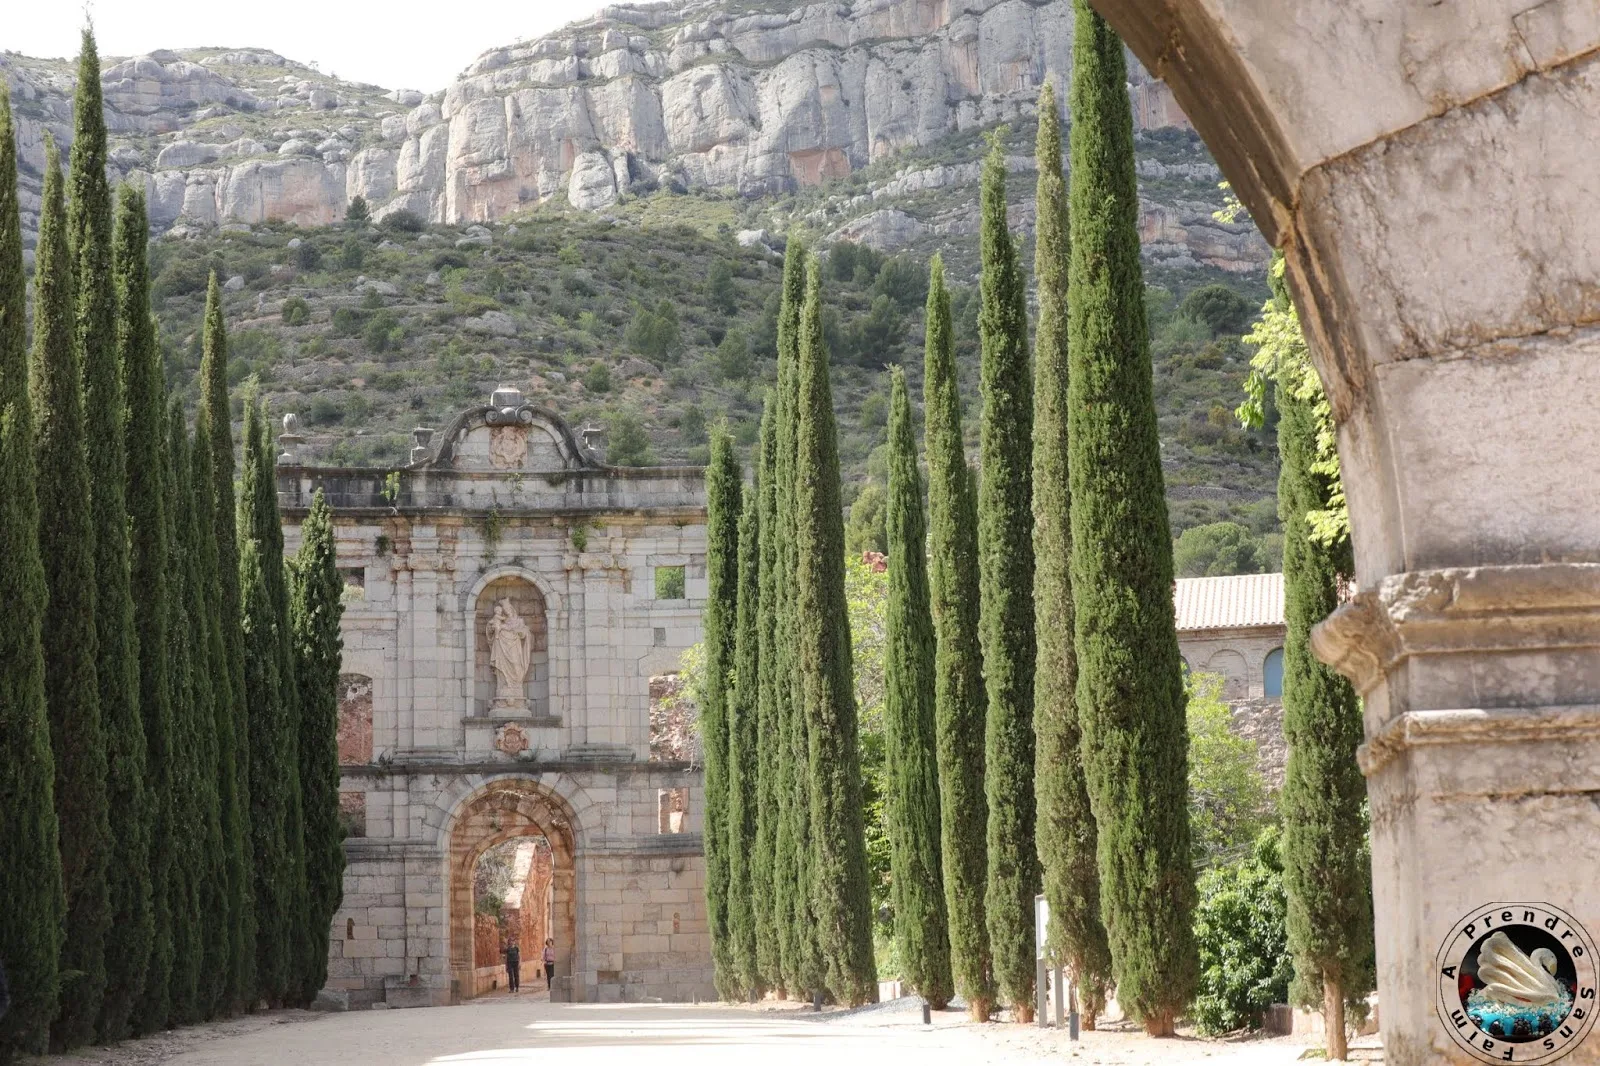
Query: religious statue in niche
[510,654]
[508,447]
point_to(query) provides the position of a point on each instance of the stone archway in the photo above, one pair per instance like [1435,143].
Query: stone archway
[1429,171]
[503,810]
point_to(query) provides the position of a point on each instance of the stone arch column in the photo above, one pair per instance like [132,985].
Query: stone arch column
[1430,171]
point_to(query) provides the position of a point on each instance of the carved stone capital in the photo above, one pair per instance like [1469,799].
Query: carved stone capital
[1503,611]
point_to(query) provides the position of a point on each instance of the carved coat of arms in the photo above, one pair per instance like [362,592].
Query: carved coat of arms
[508,447]
[511,739]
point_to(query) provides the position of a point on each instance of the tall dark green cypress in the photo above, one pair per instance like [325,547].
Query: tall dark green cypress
[1005,563]
[763,887]
[89,226]
[1326,873]
[1065,833]
[214,432]
[958,665]
[234,915]
[317,608]
[921,926]
[185,836]
[803,970]
[135,798]
[66,543]
[720,621]
[32,899]
[744,750]
[1130,685]
[840,893]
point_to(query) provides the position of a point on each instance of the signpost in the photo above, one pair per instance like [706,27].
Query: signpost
[1048,976]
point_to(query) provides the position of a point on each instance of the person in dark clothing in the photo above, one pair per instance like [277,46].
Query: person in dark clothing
[514,965]
[5,992]
[549,962]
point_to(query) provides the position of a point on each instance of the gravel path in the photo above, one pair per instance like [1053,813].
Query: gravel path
[503,1031]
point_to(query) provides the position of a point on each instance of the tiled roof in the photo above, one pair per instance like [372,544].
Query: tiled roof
[1229,602]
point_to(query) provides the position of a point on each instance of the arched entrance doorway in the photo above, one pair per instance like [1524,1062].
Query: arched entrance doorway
[505,810]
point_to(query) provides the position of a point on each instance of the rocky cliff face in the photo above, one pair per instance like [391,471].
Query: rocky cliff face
[693,94]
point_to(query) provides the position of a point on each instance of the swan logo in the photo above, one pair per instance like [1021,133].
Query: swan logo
[1517,983]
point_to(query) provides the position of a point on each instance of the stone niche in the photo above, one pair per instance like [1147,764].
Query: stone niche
[528,603]
[355,719]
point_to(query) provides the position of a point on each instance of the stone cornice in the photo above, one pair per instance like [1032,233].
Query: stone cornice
[1465,610]
[1499,726]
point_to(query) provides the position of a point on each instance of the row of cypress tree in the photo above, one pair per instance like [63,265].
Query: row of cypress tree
[1034,700]
[169,850]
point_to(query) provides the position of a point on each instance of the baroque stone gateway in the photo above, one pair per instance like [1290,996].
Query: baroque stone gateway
[501,631]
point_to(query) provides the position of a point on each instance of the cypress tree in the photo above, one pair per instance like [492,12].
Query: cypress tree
[1005,562]
[89,226]
[185,817]
[32,899]
[1327,875]
[841,897]
[922,930]
[1065,833]
[720,617]
[744,751]
[66,543]
[763,888]
[234,915]
[318,606]
[214,431]
[1130,687]
[958,665]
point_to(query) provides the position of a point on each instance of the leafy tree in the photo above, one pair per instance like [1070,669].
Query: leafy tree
[876,337]
[654,332]
[404,221]
[32,899]
[720,622]
[214,434]
[1130,686]
[66,541]
[866,530]
[1239,929]
[824,674]
[903,282]
[1228,800]
[358,213]
[922,932]
[317,606]
[732,358]
[1005,561]
[720,290]
[597,379]
[1217,307]
[1326,870]
[1066,832]
[958,668]
[628,443]
[352,254]
[1220,548]
[308,257]
[744,749]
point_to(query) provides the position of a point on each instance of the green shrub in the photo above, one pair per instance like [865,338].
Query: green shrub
[1221,548]
[352,255]
[404,222]
[308,256]
[296,312]
[1240,928]
[348,321]
[1229,802]
[732,359]
[358,213]
[628,444]
[655,332]
[597,378]
[1218,308]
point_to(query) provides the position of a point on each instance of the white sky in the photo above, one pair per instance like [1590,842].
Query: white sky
[398,44]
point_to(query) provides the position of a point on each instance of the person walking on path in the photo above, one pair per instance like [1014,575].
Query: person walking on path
[549,963]
[514,965]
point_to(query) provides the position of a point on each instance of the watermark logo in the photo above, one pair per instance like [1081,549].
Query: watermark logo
[1517,983]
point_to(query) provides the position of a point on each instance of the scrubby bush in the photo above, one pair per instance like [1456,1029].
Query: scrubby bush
[403,221]
[296,312]
[1221,548]
[627,442]
[1218,308]
[1240,928]
[308,256]
[597,378]
[1229,802]
[353,254]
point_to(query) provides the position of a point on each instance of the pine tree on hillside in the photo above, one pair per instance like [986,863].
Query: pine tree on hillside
[89,235]
[958,666]
[135,799]
[1326,873]
[744,750]
[13,279]
[1130,686]
[66,544]
[841,897]
[185,835]
[233,922]
[32,899]
[720,621]
[1005,563]
[317,606]
[922,930]
[763,887]
[212,426]
[1065,833]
